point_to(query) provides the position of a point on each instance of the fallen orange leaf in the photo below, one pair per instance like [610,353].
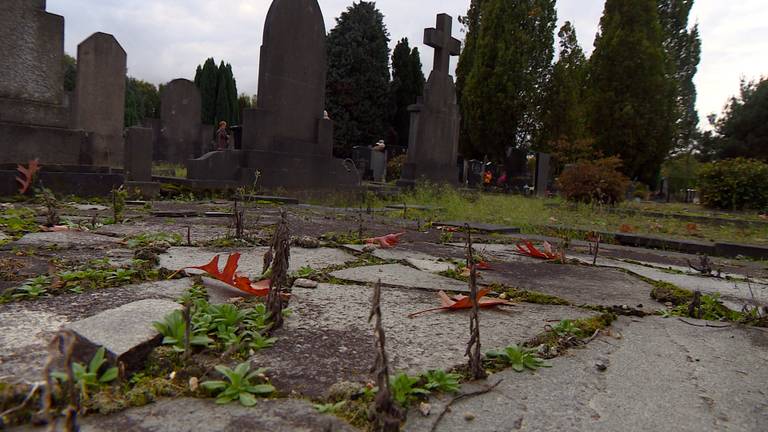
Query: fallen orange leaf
[229,276]
[387,241]
[29,175]
[462,302]
[528,249]
[626,229]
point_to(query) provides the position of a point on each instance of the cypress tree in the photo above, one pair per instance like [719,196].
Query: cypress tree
[357,89]
[70,72]
[683,48]
[565,109]
[207,81]
[407,85]
[503,92]
[632,97]
[471,23]
[223,105]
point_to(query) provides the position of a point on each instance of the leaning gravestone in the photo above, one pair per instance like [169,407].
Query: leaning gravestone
[100,96]
[434,135]
[286,138]
[180,114]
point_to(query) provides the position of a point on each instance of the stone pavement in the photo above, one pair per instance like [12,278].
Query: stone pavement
[662,374]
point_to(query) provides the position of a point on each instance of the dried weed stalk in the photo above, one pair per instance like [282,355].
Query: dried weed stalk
[473,346]
[281,250]
[386,414]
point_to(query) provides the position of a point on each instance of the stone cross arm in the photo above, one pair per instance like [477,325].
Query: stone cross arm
[444,44]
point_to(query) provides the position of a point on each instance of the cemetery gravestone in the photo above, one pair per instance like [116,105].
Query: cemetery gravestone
[35,114]
[31,72]
[434,134]
[287,138]
[543,161]
[180,115]
[100,96]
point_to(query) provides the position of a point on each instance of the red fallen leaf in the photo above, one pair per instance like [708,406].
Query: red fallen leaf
[528,249]
[482,265]
[229,276]
[29,175]
[463,302]
[692,228]
[387,241]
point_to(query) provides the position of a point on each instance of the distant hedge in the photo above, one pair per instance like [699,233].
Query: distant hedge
[734,184]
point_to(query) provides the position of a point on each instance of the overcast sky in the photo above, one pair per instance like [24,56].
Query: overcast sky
[167,39]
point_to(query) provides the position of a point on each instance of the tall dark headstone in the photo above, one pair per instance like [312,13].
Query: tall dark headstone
[286,139]
[434,135]
[31,69]
[180,112]
[100,96]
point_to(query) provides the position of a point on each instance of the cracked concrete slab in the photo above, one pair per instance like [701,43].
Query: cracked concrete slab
[577,284]
[252,259]
[735,293]
[26,327]
[661,375]
[200,415]
[66,240]
[401,276]
[327,340]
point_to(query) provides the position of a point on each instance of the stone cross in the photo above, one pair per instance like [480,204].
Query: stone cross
[444,44]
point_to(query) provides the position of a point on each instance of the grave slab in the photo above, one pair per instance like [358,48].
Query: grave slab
[580,285]
[400,276]
[500,252]
[252,259]
[431,266]
[328,339]
[661,375]
[26,327]
[186,414]
[734,293]
[125,332]
[482,227]
[66,240]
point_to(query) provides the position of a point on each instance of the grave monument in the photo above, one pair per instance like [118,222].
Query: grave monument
[434,135]
[287,141]
[180,112]
[37,120]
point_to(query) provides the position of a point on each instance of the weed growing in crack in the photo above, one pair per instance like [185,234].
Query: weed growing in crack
[517,357]
[330,408]
[89,377]
[238,385]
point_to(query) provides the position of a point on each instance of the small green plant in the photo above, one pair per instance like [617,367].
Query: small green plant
[173,328]
[33,289]
[88,377]
[330,408]
[519,358]
[305,272]
[566,328]
[18,221]
[405,389]
[143,240]
[119,196]
[446,237]
[238,385]
[441,381]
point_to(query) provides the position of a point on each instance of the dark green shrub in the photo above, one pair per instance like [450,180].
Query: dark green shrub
[594,182]
[395,167]
[734,184]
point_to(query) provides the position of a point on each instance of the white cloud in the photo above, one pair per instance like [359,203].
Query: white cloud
[167,39]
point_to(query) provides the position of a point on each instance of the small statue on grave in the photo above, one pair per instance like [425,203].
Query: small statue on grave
[222,137]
